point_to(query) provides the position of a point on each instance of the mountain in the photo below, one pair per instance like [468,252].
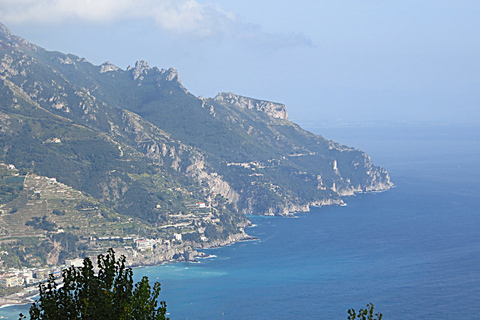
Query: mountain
[137,144]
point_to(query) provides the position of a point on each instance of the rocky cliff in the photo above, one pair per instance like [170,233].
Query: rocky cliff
[274,110]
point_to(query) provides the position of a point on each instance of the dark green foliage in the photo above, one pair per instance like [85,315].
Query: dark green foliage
[42,223]
[85,205]
[25,251]
[111,217]
[10,187]
[364,314]
[211,232]
[58,212]
[110,295]
[11,260]
[192,236]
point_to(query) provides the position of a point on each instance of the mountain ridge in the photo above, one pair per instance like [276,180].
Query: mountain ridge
[142,146]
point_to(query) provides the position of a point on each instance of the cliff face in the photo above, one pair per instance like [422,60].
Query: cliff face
[274,110]
[152,142]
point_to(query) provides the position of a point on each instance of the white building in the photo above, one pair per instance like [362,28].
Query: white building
[145,244]
[77,263]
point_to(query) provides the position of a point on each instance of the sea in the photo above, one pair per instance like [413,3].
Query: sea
[412,251]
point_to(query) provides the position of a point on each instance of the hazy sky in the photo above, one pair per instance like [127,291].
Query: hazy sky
[357,60]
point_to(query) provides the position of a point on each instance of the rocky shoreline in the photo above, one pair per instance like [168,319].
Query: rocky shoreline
[184,253]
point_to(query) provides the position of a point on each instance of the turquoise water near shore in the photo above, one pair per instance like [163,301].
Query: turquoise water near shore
[413,251]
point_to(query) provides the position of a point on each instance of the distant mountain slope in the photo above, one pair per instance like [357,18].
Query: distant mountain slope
[117,124]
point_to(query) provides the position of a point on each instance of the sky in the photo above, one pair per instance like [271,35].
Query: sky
[330,62]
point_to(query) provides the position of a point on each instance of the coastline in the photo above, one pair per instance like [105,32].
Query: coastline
[171,255]
[24,297]
[16,300]
[174,255]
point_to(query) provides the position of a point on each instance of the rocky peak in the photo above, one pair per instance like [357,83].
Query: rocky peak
[64,60]
[4,31]
[141,68]
[274,110]
[107,67]
[170,74]
[10,41]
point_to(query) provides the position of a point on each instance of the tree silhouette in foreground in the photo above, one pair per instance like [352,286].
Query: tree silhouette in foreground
[108,295]
[364,314]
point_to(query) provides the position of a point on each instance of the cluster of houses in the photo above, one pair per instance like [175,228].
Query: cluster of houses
[31,277]
[149,244]
[28,277]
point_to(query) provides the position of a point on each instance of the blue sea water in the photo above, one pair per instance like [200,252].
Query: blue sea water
[413,251]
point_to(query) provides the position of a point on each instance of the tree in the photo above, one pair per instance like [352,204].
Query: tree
[364,314]
[110,294]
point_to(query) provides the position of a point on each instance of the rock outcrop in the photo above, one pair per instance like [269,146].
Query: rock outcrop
[274,110]
[108,67]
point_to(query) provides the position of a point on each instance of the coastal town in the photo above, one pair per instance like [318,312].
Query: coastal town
[17,286]
[43,213]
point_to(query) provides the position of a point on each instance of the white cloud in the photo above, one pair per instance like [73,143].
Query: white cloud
[183,17]
[180,16]
[202,20]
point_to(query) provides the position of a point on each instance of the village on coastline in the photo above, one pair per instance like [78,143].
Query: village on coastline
[18,285]
[94,232]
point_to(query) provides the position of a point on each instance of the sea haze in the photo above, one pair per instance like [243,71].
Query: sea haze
[413,251]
